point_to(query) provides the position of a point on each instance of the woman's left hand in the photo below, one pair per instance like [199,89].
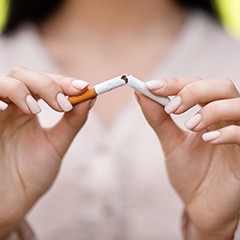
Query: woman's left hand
[204,163]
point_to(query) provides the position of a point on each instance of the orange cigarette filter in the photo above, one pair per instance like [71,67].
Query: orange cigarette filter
[90,93]
[99,89]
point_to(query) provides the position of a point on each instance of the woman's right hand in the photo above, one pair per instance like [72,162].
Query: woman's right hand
[30,156]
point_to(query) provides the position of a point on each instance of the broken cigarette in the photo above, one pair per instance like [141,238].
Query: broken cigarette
[116,82]
[99,89]
[141,87]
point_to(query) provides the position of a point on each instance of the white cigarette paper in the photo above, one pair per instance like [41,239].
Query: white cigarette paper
[141,87]
[109,85]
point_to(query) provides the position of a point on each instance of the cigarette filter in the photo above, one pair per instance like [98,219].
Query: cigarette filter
[99,89]
[141,87]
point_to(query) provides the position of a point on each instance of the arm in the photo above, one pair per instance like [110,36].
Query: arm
[202,161]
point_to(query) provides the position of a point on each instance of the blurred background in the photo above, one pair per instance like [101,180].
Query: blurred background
[229,14]
[228,11]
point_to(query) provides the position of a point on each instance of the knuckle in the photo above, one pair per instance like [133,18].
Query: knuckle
[178,82]
[15,71]
[214,109]
[191,89]
[17,86]
[64,82]
[229,85]
[50,85]
[169,80]
[234,131]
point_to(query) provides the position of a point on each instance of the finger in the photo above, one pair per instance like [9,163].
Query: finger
[214,113]
[167,131]
[169,86]
[43,86]
[64,132]
[69,85]
[201,92]
[18,94]
[226,135]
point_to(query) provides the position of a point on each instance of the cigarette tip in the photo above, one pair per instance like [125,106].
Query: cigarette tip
[124,77]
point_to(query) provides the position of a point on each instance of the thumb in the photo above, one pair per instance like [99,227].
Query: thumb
[66,129]
[167,131]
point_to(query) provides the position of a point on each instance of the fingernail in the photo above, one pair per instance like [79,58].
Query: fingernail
[209,136]
[64,103]
[173,105]
[33,105]
[79,84]
[155,84]
[194,121]
[3,105]
[92,103]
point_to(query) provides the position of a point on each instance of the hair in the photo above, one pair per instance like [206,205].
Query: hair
[36,11]
[206,5]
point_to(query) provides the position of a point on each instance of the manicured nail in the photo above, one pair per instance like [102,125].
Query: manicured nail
[155,84]
[194,121]
[64,103]
[79,84]
[209,136]
[3,105]
[33,105]
[173,105]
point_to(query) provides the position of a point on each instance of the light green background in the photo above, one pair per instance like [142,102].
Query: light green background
[3,12]
[230,13]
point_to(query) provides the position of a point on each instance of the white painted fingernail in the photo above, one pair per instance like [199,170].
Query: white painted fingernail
[173,105]
[194,121]
[64,103]
[79,84]
[155,84]
[209,136]
[3,105]
[33,105]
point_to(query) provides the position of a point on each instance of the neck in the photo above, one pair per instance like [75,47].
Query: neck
[113,18]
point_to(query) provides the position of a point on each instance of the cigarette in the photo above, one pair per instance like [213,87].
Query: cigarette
[99,89]
[141,87]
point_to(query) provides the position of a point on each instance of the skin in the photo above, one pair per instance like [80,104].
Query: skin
[205,174]
[31,155]
[79,36]
[199,177]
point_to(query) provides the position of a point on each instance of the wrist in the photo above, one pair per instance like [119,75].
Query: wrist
[192,231]
[6,229]
[21,231]
[10,220]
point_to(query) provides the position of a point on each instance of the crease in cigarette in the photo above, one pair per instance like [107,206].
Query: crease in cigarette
[99,89]
[140,86]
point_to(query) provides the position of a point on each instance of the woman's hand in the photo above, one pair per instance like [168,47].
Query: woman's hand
[30,156]
[204,163]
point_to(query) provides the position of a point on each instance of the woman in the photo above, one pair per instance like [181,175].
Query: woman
[112,183]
